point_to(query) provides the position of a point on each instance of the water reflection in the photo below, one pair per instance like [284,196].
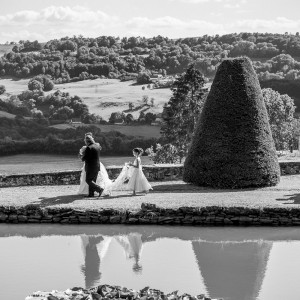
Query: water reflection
[233,270]
[233,263]
[132,245]
[91,267]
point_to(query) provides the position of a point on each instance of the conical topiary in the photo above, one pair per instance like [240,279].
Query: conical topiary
[232,146]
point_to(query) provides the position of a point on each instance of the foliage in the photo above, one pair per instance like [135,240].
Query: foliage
[166,154]
[281,110]
[2,89]
[117,117]
[183,109]
[35,136]
[143,78]
[65,59]
[35,85]
[46,84]
[233,146]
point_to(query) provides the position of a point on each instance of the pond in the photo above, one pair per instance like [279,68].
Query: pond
[233,263]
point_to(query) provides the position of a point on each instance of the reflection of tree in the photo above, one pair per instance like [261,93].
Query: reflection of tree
[232,270]
[132,245]
[91,268]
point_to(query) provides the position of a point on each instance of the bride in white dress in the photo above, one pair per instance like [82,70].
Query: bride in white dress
[119,184]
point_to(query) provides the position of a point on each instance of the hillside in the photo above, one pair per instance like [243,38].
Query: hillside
[5,49]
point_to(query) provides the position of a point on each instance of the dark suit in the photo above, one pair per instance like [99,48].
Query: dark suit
[92,167]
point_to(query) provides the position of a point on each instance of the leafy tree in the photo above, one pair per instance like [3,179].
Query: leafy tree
[152,101]
[143,78]
[35,85]
[63,113]
[145,99]
[46,82]
[116,117]
[129,118]
[130,105]
[181,113]
[2,89]
[281,110]
[166,154]
[150,117]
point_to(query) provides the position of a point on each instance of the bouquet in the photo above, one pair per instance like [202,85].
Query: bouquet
[81,151]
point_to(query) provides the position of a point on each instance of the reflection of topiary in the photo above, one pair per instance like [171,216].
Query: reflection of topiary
[232,146]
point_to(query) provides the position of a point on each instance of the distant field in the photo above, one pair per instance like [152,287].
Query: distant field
[14,86]
[36,163]
[102,96]
[5,48]
[105,96]
[6,115]
[142,131]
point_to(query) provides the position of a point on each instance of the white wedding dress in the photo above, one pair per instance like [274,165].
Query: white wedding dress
[120,184]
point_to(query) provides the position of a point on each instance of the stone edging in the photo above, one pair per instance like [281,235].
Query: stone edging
[114,293]
[160,172]
[152,172]
[151,214]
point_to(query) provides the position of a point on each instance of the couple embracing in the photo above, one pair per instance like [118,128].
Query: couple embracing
[94,177]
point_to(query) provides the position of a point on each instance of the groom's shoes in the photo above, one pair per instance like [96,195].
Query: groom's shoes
[100,191]
[89,196]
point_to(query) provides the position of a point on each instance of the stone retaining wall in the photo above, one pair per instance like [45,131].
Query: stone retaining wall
[151,214]
[153,172]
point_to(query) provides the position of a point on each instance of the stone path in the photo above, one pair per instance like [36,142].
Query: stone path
[170,194]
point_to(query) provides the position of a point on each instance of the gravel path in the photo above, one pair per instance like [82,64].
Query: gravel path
[170,194]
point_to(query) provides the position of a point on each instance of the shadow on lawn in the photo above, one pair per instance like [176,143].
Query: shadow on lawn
[190,188]
[294,197]
[65,199]
[68,199]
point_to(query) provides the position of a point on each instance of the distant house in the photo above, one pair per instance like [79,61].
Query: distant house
[128,77]
[75,121]
[158,120]
[119,122]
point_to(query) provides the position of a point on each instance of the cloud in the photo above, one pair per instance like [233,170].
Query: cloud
[225,2]
[59,21]
[172,27]
[278,25]
[54,14]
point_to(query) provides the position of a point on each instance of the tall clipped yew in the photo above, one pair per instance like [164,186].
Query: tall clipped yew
[232,146]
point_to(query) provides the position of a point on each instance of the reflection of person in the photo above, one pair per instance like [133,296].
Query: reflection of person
[138,181]
[90,155]
[132,244]
[91,268]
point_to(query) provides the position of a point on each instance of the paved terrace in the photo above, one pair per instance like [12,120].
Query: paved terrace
[168,194]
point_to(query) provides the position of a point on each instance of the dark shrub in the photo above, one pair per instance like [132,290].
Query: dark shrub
[232,145]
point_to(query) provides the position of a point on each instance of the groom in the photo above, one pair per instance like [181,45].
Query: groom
[92,164]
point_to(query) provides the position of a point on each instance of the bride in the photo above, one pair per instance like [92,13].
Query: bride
[119,184]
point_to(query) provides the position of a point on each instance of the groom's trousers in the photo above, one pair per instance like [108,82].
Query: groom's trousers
[91,178]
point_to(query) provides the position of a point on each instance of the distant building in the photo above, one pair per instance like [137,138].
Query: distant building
[75,121]
[158,120]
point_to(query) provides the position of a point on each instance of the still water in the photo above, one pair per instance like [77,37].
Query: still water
[233,263]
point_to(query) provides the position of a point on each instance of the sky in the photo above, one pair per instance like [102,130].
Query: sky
[44,20]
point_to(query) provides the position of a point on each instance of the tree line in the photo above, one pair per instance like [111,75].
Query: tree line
[27,136]
[78,58]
